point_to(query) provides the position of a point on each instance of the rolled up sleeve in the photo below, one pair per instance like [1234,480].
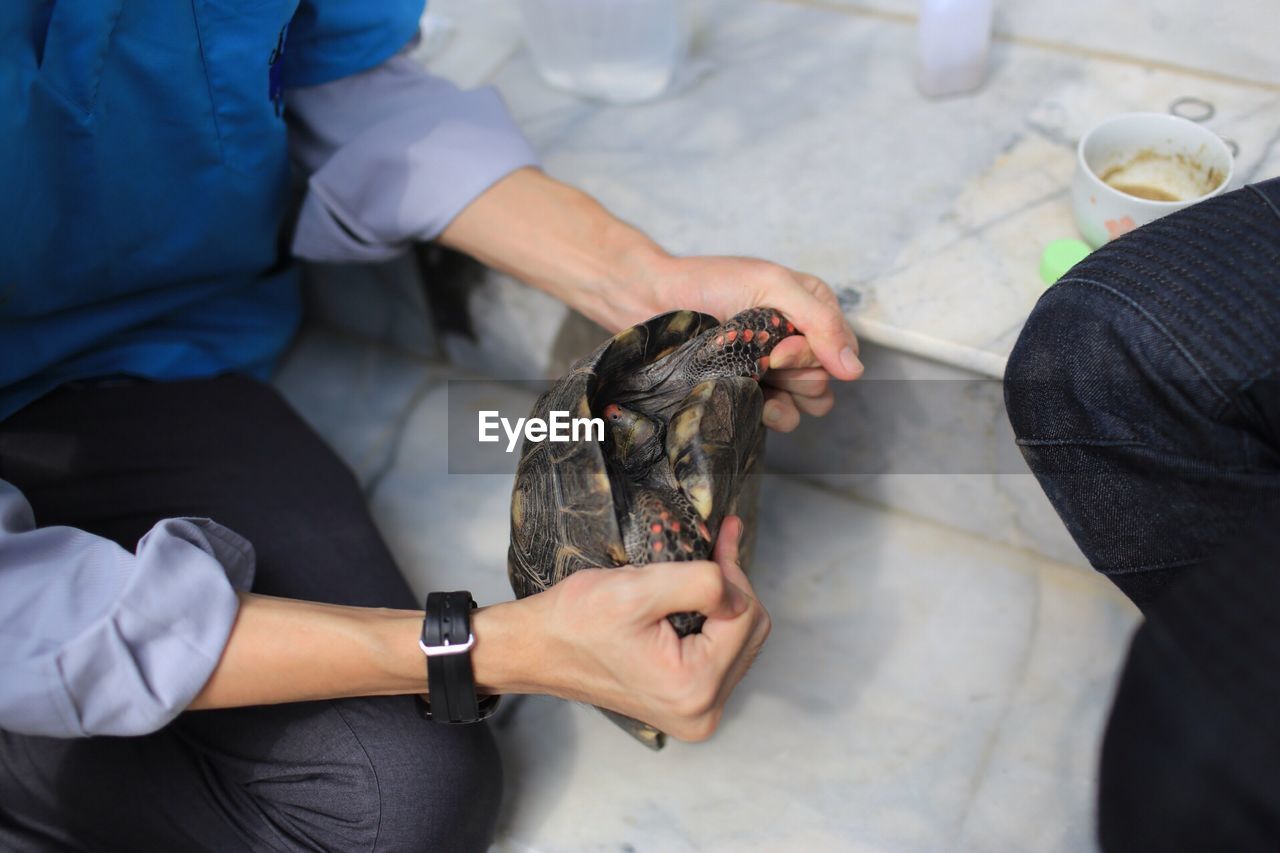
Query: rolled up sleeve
[95,640]
[394,154]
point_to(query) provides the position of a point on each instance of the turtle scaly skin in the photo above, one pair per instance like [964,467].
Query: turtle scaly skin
[681,402]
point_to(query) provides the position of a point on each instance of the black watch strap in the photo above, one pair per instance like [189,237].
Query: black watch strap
[447,641]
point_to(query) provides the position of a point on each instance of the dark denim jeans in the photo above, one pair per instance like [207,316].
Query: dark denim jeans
[1145,395]
[1145,390]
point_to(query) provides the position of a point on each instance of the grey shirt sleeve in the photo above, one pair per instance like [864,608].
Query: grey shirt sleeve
[394,154]
[95,640]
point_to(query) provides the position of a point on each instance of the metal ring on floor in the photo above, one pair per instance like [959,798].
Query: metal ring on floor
[1192,109]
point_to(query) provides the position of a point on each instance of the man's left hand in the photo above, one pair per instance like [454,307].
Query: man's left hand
[565,243]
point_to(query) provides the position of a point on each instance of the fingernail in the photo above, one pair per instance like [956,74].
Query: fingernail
[772,412]
[779,362]
[849,360]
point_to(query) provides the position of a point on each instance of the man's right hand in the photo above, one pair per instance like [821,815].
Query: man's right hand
[601,636]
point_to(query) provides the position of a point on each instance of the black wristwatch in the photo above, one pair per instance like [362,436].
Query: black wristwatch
[447,641]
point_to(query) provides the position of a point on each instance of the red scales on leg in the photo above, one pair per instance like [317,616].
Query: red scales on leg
[741,346]
[672,530]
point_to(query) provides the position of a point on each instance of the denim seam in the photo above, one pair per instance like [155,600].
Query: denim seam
[1138,273]
[1250,412]
[1189,268]
[1265,200]
[1243,229]
[1149,567]
[1173,247]
[1080,442]
[1249,468]
[1159,327]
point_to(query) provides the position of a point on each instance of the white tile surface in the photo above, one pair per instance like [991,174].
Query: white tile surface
[449,530]
[806,142]
[1234,38]
[933,439]
[922,690]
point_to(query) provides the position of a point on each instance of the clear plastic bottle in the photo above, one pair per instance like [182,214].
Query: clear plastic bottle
[617,50]
[953,38]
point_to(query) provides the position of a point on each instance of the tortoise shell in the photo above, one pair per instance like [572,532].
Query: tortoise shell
[683,407]
[562,509]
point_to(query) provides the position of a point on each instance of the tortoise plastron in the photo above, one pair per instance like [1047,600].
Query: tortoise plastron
[681,402]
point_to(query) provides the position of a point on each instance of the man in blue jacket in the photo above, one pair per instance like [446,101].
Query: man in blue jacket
[173,537]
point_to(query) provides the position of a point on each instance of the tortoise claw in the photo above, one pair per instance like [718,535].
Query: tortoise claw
[741,345]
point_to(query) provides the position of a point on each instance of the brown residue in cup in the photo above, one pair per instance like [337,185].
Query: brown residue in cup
[1159,176]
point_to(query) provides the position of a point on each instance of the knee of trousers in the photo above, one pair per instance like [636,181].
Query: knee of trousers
[1179,312]
[1100,360]
[439,786]
[362,774]
[1075,351]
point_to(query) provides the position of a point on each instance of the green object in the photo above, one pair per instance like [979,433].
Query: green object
[1060,256]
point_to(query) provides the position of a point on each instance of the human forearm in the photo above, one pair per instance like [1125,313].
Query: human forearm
[567,244]
[284,650]
[600,636]
[562,241]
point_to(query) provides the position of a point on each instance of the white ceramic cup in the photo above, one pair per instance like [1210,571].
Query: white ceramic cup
[1152,154]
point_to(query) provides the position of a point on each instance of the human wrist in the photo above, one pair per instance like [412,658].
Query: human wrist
[395,635]
[633,288]
[508,656]
[615,280]
[562,241]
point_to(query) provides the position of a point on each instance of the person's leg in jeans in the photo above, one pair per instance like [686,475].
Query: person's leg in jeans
[1191,758]
[1145,395]
[1143,389]
[354,774]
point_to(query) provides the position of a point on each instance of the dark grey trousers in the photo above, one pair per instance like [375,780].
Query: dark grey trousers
[353,774]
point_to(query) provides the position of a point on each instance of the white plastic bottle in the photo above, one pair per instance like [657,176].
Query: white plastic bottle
[952,41]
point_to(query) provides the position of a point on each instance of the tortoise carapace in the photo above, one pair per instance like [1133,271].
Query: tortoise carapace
[680,398]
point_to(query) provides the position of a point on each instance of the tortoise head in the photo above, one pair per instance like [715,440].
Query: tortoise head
[637,439]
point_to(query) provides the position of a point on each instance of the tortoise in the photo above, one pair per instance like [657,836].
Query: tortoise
[680,399]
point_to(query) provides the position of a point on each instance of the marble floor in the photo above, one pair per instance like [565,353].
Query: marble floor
[797,134]
[923,689]
[801,138]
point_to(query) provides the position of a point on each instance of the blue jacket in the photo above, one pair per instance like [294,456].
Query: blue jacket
[144,179]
